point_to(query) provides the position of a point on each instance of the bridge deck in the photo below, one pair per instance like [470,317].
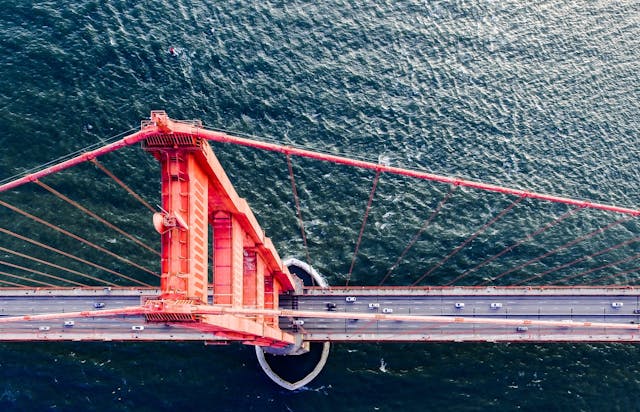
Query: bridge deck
[584,304]
[577,304]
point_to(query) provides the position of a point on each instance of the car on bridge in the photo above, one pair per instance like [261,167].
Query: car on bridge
[387,310]
[374,305]
[617,305]
[98,305]
[137,327]
[459,305]
[350,299]
[331,306]
[69,323]
[495,305]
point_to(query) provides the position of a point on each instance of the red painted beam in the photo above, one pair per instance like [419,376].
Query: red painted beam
[126,141]
[225,138]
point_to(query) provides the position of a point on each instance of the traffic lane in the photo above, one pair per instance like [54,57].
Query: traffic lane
[340,325]
[427,329]
[477,305]
[96,325]
[35,305]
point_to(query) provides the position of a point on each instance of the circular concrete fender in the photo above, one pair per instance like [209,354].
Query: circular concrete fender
[319,280]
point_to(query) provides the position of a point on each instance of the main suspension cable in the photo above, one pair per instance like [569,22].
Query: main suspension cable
[415,238]
[473,236]
[68,156]
[275,147]
[364,223]
[95,216]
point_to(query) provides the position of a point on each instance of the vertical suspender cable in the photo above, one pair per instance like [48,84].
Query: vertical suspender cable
[556,250]
[473,236]
[364,223]
[44,262]
[13,265]
[518,243]
[6,282]
[63,253]
[26,279]
[122,184]
[298,210]
[617,262]
[636,269]
[93,245]
[95,216]
[573,262]
[419,233]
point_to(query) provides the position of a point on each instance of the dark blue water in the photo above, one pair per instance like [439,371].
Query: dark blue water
[534,95]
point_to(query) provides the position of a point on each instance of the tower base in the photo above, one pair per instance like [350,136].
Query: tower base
[301,363]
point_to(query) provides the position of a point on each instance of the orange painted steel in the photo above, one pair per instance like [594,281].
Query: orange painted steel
[236,323]
[126,141]
[182,128]
[223,262]
[247,271]
[184,258]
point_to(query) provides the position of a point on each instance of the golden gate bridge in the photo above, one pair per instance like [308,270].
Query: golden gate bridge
[220,278]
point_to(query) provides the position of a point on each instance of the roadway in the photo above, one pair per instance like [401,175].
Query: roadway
[18,302]
[611,305]
[559,304]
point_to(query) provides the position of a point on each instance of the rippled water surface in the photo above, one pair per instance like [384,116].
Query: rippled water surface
[535,95]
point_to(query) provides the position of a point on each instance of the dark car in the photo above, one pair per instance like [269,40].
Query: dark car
[331,306]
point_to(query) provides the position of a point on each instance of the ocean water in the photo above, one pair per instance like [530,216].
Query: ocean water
[537,95]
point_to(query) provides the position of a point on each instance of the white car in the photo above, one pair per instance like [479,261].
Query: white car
[374,305]
[387,310]
[496,305]
[522,329]
[44,328]
[459,305]
[567,323]
[298,322]
[137,327]
[350,299]
[617,304]
[69,323]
